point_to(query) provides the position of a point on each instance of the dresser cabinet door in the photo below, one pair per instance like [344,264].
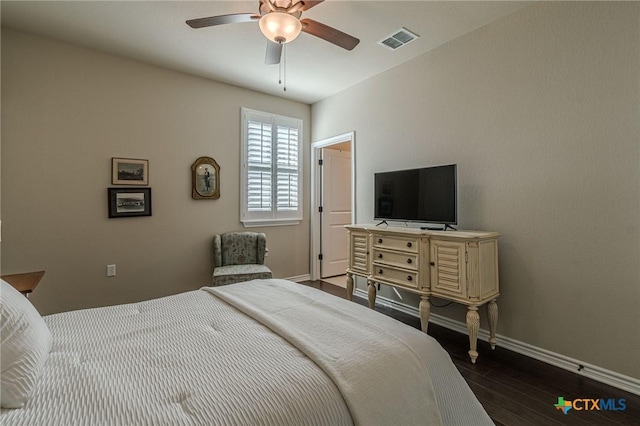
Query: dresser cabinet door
[359,253]
[448,269]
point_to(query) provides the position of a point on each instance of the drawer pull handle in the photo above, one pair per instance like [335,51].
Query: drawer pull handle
[379,255]
[380,271]
[432,263]
[409,278]
[379,240]
[409,261]
[409,244]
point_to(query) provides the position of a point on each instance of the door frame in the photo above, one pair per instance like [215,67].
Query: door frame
[316,193]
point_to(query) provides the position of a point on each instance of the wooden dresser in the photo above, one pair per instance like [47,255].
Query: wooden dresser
[461,266]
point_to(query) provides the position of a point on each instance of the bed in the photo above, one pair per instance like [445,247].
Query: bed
[263,352]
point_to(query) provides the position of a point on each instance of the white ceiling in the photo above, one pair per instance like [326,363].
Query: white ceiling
[155,32]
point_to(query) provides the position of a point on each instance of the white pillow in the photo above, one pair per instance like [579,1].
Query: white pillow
[26,341]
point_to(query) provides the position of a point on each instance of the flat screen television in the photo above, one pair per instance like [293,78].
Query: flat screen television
[428,195]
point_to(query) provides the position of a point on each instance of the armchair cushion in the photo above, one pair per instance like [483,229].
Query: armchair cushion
[238,273]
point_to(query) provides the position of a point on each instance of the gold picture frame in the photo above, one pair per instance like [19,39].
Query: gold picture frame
[205,179]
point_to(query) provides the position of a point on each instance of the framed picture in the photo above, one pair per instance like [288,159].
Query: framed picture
[205,179]
[129,202]
[129,171]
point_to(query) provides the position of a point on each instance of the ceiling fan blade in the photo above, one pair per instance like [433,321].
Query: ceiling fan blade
[274,53]
[300,6]
[234,18]
[329,34]
[267,6]
[308,4]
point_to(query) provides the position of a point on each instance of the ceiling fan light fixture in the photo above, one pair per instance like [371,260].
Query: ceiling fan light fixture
[280,27]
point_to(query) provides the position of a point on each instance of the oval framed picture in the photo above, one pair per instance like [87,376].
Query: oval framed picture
[205,179]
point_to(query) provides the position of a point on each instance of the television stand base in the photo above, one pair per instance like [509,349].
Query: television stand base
[383,222]
[428,228]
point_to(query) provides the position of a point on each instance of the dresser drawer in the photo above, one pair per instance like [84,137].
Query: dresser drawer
[396,243]
[404,277]
[394,258]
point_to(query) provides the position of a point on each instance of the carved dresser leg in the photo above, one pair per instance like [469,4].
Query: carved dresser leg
[492,313]
[473,325]
[425,310]
[349,286]
[372,293]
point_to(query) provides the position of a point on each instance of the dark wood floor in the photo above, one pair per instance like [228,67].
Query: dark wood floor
[515,389]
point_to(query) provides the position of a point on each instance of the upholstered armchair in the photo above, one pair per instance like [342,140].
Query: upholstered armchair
[239,256]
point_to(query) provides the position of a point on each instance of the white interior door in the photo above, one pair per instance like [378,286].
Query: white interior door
[336,211]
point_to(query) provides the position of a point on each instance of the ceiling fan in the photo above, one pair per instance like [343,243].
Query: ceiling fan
[280,23]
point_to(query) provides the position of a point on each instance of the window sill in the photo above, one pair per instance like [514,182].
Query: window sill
[257,223]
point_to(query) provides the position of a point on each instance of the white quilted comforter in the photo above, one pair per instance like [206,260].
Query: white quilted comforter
[193,359]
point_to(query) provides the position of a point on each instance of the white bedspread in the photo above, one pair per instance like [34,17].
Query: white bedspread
[378,372]
[193,359]
[188,359]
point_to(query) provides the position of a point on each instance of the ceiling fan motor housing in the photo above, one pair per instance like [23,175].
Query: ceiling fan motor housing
[283,6]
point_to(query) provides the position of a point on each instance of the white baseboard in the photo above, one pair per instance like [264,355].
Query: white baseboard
[608,377]
[299,278]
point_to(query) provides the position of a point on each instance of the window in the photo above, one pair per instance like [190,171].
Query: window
[271,169]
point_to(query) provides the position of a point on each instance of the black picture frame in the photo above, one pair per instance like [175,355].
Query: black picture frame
[129,202]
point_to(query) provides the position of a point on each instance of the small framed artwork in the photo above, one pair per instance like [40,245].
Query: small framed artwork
[129,202]
[129,171]
[205,179]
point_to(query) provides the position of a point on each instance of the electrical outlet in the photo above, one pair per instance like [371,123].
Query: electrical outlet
[111,270]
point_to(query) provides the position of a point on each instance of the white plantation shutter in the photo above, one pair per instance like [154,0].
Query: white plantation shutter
[271,169]
[287,168]
[259,166]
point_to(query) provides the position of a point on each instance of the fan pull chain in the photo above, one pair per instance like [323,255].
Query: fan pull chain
[280,70]
[284,53]
[282,67]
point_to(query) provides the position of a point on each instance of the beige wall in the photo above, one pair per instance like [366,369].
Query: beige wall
[541,112]
[65,112]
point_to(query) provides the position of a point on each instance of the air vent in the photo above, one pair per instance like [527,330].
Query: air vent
[398,39]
